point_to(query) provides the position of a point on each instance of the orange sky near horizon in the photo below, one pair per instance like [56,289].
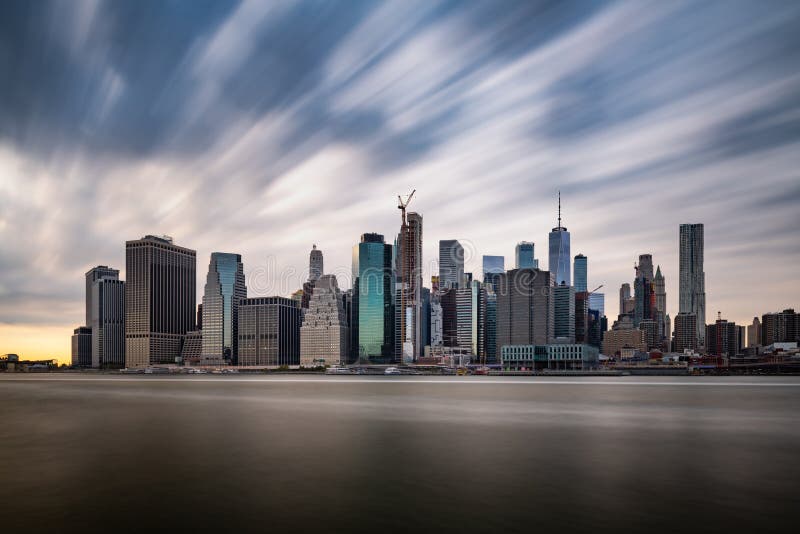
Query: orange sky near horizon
[37,342]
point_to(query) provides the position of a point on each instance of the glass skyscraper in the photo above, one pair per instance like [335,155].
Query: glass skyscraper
[373,290]
[493,266]
[580,273]
[225,288]
[559,258]
[692,281]
[451,263]
[523,256]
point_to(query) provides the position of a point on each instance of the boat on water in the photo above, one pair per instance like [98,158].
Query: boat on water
[392,371]
[337,371]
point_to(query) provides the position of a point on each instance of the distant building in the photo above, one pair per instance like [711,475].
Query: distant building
[573,357]
[525,312]
[624,297]
[524,257]
[559,258]
[192,351]
[623,335]
[754,333]
[493,266]
[722,338]
[315,264]
[82,347]
[160,300]
[780,327]
[408,305]
[269,332]
[225,288]
[105,314]
[692,278]
[487,350]
[685,332]
[581,273]
[324,335]
[597,301]
[564,313]
[373,299]
[451,263]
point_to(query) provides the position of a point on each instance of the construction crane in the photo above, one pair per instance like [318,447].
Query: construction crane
[405,243]
[595,289]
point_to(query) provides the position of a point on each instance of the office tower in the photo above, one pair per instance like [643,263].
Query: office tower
[425,328]
[315,265]
[646,266]
[449,303]
[409,302]
[754,333]
[160,299]
[722,338]
[92,275]
[644,298]
[692,281]
[269,331]
[685,332]
[451,263]
[559,251]
[660,293]
[82,347]
[564,314]
[650,329]
[351,312]
[580,273]
[224,289]
[780,327]
[594,328]
[108,322]
[199,325]
[623,335]
[373,296]
[667,334]
[524,257]
[437,325]
[525,314]
[581,325]
[597,301]
[493,266]
[324,335]
[488,310]
[624,297]
[466,329]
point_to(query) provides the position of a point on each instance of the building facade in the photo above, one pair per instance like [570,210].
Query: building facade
[580,272]
[160,300]
[108,323]
[324,335]
[525,314]
[564,313]
[315,264]
[685,332]
[692,277]
[269,332]
[524,257]
[493,266]
[225,288]
[451,263]
[82,347]
[373,299]
[559,257]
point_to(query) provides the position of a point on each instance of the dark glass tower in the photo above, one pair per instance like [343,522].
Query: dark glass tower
[559,258]
[373,290]
[225,288]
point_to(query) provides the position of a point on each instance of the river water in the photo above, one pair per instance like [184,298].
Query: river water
[399,454]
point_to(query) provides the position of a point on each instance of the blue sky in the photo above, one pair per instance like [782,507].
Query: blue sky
[264,127]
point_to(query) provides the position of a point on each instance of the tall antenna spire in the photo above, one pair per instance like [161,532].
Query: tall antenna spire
[559,208]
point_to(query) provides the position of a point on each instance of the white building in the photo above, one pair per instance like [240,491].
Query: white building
[324,334]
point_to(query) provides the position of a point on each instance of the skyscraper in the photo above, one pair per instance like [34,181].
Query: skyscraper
[524,308]
[373,298]
[692,281]
[409,303]
[624,297]
[225,288]
[580,273]
[524,256]
[660,291]
[722,338]
[82,347]
[685,332]
[160,299]
[315,265]
[324,335]
[93,274]
[559,258]
[646,266]
[269,331]
[564,313]
[108,322]
[451,263]
[493,266]
[597,302]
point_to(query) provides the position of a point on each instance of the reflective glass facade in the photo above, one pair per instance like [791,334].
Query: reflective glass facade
[559,259]
[580,273]
[373,290]
[523,255]
[225,287]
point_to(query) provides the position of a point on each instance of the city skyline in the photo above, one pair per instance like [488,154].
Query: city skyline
[636,146]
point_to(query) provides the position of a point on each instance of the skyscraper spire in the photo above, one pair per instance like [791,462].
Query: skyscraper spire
[559,208]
